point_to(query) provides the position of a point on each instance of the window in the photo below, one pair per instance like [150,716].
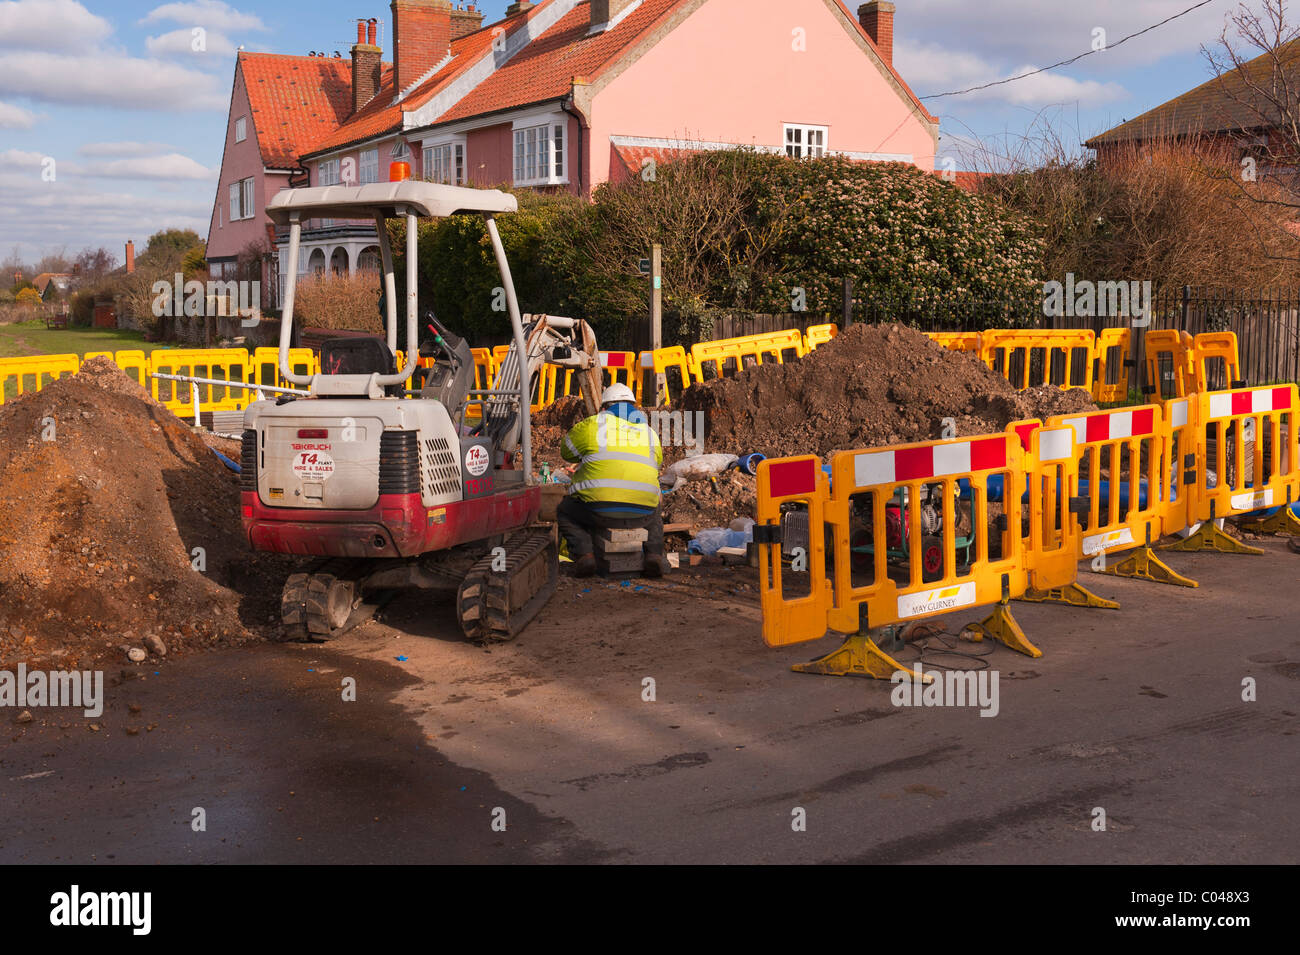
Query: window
[327,172]
[369,166]
[401,150]
[445,163]
[805,142]
[241,129]
[539,154]
[241,200]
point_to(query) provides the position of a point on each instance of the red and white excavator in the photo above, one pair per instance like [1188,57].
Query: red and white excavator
[383,475]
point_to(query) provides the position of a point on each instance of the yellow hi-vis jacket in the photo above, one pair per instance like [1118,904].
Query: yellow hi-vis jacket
[619,460]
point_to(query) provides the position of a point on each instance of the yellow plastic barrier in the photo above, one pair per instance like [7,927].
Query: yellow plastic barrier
[1209,349]
[35,369]
[135,364]
[619,367]
[1169,365]
[1029,358]
[673,357]
[790,616]
[816,335]
[957,341]
[485,369]
[1050,538]
[722,350]
[229,364]
[265,366]
[775,344]
[1112,363]
[913,535]
[1129,479]
[1249,451]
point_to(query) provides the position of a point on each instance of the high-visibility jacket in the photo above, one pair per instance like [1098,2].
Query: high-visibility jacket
[618,459]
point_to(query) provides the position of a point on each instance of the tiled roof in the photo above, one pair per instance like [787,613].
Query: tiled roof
[545,68]
[634,157]
[296,101]
[1210,107]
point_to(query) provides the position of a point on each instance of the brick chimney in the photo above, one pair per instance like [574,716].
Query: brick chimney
[367,62]
[421,38]
[877,18]
[465,21]
[130,256]
[603,11]
[519,6]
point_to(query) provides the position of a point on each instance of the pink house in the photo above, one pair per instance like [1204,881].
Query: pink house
[567,94]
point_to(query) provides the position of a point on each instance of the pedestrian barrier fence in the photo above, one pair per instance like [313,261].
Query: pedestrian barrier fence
[1215,364]
[1110,380]
[21,375]
[1169,365]
[913,531]
[815,335]
[228,364]
[957,341]
[1029,358]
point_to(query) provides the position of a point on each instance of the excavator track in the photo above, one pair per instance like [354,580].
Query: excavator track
[495,605]
[322,603]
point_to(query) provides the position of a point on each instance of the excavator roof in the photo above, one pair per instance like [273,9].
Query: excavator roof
[425,199]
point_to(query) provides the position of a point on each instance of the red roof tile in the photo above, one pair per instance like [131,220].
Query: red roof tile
[295,101]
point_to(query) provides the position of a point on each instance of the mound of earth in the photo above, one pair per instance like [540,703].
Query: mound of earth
[872,386]
[105,499]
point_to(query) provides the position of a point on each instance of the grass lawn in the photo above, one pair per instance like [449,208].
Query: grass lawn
[33,338]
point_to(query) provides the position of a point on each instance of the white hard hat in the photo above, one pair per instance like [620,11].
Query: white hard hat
[617,393]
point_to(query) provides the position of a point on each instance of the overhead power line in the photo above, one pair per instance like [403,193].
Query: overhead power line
[1073,59]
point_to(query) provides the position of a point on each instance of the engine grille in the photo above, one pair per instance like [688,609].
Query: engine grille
[248,461]
[399,462]
[441,469]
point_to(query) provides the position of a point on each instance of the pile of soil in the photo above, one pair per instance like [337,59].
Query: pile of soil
[872,386]
[550,425]
[98,528]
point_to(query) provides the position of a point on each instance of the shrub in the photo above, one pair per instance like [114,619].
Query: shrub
[347,302]
[28,296]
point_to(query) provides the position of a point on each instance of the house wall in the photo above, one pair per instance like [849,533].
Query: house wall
[240,161]
[730,73]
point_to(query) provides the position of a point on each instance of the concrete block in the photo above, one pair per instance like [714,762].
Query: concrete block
[631,563]
[620,535]
[617,547]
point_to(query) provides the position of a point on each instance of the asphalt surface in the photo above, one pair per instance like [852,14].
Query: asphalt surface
[1137,712]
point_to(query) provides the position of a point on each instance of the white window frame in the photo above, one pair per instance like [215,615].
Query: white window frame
[246,206]
[444,161]
[805,140]
[401,151]
[241,129]
[327,172]
[234,202]
[368,165]
[539,154]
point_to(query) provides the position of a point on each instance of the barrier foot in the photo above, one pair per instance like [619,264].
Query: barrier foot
[1145,565]
[1000,625]
[1075,595]
[1209,537]
[859,656]
[1283,522]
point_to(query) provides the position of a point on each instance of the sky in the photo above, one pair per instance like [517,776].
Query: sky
[112,114]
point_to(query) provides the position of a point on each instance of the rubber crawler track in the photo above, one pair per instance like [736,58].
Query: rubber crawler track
[483,602]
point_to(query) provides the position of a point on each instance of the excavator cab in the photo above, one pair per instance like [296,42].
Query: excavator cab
[378,477]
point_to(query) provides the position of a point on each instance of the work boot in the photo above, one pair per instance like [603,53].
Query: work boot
[584,566]
[1294,544]
[656,565]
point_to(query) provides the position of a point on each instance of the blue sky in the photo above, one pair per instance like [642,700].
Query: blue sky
[132,116]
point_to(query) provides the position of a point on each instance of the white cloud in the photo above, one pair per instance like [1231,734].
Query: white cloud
[110,80]
[125,148]
[212,14]
[182,42]
[20,159]
[15,117]
[933,69]
[50,25]
[167,166]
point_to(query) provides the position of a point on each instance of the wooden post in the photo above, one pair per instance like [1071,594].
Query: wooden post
[657,315]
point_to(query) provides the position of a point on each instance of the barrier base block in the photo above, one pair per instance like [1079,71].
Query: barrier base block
[1075,595]
[1283,522]
[1000,625]
[859,656]
[1143,564]
[1209,537]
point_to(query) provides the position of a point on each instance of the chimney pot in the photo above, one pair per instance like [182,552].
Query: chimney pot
[877,18]
[370,32]
[361,32]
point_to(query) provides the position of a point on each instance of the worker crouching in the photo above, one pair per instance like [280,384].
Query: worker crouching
[616,484]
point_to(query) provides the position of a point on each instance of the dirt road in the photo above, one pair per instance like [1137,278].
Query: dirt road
[1137,712]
